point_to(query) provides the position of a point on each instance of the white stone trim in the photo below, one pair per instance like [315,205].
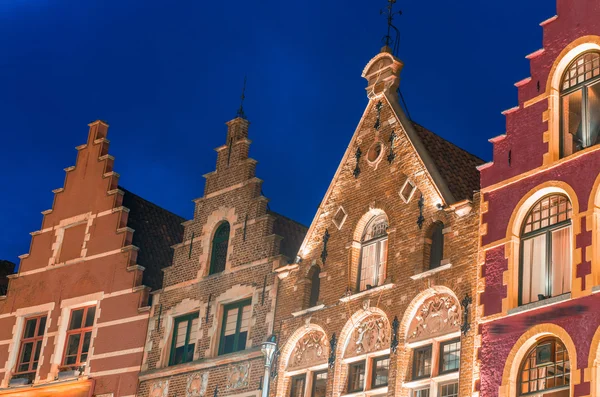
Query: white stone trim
[113,371]
[118,353]
[431,272]
[123,320]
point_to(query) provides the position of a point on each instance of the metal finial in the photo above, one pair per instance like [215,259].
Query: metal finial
[240,112]
[387,39]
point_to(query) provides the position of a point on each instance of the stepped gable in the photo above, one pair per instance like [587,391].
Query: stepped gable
[292,232]
[456,165]
[156,230]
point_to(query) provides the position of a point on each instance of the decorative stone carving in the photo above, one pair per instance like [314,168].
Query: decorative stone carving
[309,351]
[196,385]
[438,315]
[370,335]
[237,376]
[160,389]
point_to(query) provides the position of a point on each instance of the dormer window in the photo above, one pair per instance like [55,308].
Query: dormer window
[373,253]
[580,104]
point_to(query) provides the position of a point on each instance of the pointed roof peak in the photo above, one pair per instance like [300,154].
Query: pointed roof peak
[240,112]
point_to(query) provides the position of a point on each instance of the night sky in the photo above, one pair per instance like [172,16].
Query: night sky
[167,75]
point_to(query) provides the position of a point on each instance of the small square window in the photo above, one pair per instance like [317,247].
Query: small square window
[184,339]
[298,383]
[449,390]
[422,362]
[450,356]
[340,218]
[381,367]
[356,377]
[407,191]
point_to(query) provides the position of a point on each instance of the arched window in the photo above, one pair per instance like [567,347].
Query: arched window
[546,370]
[546,250]
[373,253]
[436,252]
[580,104]
[220,243]
[315,286]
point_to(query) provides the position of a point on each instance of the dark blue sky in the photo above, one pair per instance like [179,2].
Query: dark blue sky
[167,75]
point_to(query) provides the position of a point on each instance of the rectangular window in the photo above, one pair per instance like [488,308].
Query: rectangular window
[234,330]
[31,344]
[421,393]
[184,339]
[79,336]
[356,377]
[449,356]
[381,366]
[298,383]
[449,390]
[319,385]
[534,269]
[372,269]
[422,362]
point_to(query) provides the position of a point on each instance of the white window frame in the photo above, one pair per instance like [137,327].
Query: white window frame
[308,377]
[368,359]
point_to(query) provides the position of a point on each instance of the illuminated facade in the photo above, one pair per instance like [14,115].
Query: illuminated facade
[540,223]
[74,318]
[377,301]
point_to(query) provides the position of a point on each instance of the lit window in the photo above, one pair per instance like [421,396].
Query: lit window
[422,362]
[449,390]
[319,385]
[79,336]
[381,366]
[546,250]
[220,245]
[31,344]
[437,245]
[356,377]
[373,253]
[234,331]
[184,339]
[315,286]
[450,356]
[580,104]
[546,370]
[298,383]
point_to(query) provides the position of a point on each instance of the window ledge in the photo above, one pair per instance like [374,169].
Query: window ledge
[595,289]
[380,391]
[365,293]
[543,303]
[309,310]
[431,272]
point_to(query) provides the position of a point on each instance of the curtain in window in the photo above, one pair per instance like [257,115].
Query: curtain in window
[561,261]
[534,268]
[368,263]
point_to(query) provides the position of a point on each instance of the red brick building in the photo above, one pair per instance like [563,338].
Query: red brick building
[217,303]
[74,318]
[538,311]
[377,302]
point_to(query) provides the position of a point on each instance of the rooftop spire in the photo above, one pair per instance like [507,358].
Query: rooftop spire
[240,112]
[387,39]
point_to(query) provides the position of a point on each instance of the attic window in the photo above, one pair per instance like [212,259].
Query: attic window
[340,218]
[407,191]
[375,152]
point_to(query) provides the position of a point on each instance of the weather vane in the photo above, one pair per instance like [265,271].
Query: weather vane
[387,39]
[240,112]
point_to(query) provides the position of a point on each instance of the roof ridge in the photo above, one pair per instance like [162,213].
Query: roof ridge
[151,203]
[450,142]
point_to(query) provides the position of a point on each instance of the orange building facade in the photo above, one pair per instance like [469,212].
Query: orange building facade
[74,317]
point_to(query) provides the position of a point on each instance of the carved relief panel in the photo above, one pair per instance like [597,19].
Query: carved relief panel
[370,335]
[160,389]
[311,349]
[438,315]
[237,376]
[197,384]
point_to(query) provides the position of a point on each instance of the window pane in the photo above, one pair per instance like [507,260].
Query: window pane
[228,346]
[297,386]
[449,390]
[367,265]
[356,377]
[76,318]
[231,324]
[319,384]
[181,333]
[245,325]
[30,328]
[421,393]
[572,126]
[42,326]
[38,350]
[534,270]
[380,277]
[89,318]
[593,135]
[242,341]
[26,352]
[561,261]
[380,372]
[86,342]
[422,362]
[450,356]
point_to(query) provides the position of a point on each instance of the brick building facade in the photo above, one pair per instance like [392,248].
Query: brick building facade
[540,224]
[217,303]
[375,303]
[73,320]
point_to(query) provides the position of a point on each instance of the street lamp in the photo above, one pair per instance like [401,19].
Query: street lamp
[268,350]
